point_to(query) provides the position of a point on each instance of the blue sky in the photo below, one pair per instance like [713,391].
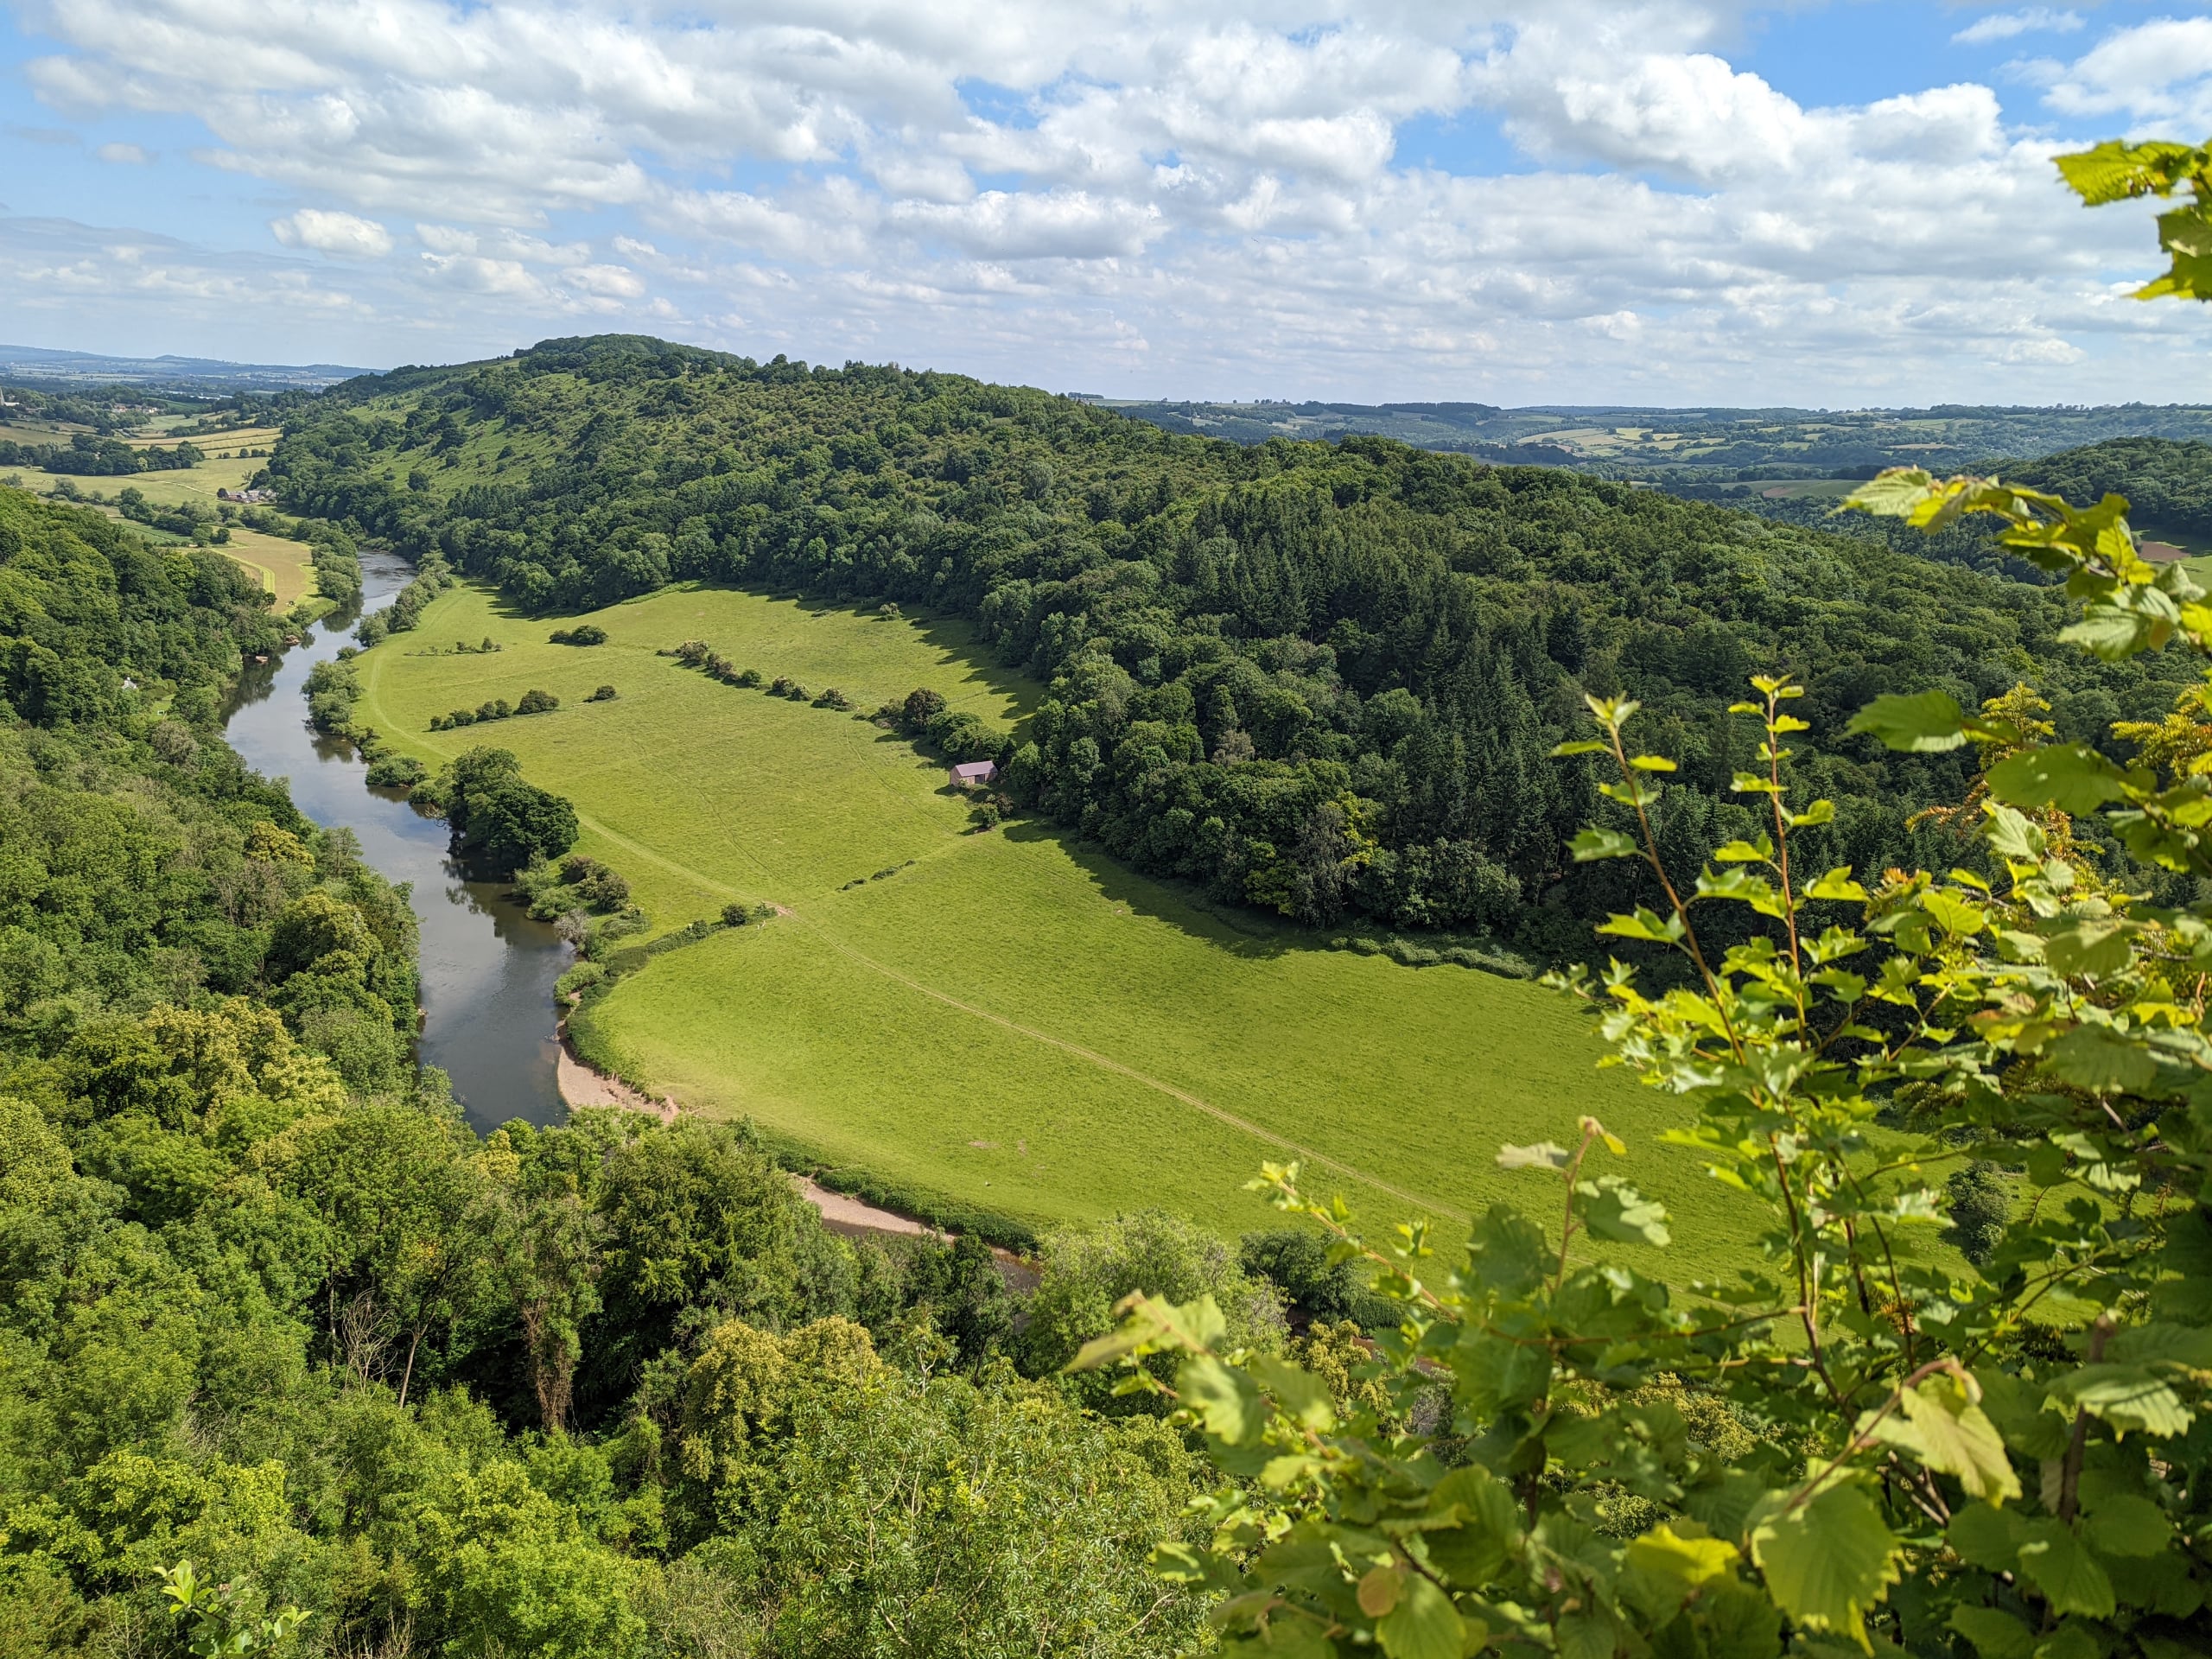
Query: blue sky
[1833,204]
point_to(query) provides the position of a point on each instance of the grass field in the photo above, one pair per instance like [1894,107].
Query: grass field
[1007,1019]
[282,564]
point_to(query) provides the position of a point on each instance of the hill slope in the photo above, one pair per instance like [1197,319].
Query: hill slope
[1322,678]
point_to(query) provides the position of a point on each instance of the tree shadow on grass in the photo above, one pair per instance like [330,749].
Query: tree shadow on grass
[1245,933]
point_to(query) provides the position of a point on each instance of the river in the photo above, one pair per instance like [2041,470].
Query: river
[487,969]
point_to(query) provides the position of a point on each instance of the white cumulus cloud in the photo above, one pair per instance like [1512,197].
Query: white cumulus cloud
[1215,200]
[347,235]
[2010,25]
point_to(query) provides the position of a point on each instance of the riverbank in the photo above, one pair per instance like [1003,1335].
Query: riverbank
[581,1086]
[487,970]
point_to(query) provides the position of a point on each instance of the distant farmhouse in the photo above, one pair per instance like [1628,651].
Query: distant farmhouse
[970,774]
[249,497]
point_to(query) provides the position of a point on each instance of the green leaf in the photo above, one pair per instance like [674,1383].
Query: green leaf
[1644,925]
[1612,1209]
[1741,884]
[1952,913]
[1285,1636]
[1994,1634]
[1505,1252]
[1827,1560]
[1917,722]
[2094,949]
[2015,836]
[2072,776]
[2102,1060]
[1892,494]
[2126,1397]
[1940,1424]
[1588,1635]
[2116,170]
[2060,1566]
[1226,1400]
[1476,1551]
[1498,1376]
[1987,1537]
[1837,885]
[2112,632]
[1587,745]
[1153,1324]
[1745,852]
[1423,1625]
[1590,845]
[2126,1523]
[1690,1561]
[1303,1396]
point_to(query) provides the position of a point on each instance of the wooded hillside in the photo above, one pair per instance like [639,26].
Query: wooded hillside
[1321,677]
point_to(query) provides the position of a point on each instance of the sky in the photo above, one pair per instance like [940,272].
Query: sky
[1834,205]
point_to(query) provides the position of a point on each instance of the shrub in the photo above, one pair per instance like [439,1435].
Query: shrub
[1980,1199]
[587,633]
[963,736]
[534,702]
[1296,1261]
[605,694]
[922,705]
[397,772]
[734,914]
[833,698]
[692,653]
[748,678]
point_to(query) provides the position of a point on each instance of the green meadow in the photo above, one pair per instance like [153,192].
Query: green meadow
[1007,1019]
[284,566]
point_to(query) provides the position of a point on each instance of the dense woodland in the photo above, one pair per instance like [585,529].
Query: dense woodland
[1326,679]
[267,1305]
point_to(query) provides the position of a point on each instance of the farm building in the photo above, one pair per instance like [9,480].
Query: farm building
[969,774]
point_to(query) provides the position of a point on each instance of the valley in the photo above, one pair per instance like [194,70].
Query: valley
[1007,1019]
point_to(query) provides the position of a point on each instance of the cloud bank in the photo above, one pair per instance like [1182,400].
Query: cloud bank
[1139,197]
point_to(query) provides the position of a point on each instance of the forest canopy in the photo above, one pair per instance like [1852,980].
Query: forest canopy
[1325,678]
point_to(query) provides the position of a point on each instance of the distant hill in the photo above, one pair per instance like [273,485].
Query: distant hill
[180,376]
[1680,446]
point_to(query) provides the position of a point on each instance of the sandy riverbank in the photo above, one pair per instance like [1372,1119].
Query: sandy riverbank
[581,1086]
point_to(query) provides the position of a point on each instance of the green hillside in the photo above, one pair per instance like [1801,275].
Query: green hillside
[1321,680]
